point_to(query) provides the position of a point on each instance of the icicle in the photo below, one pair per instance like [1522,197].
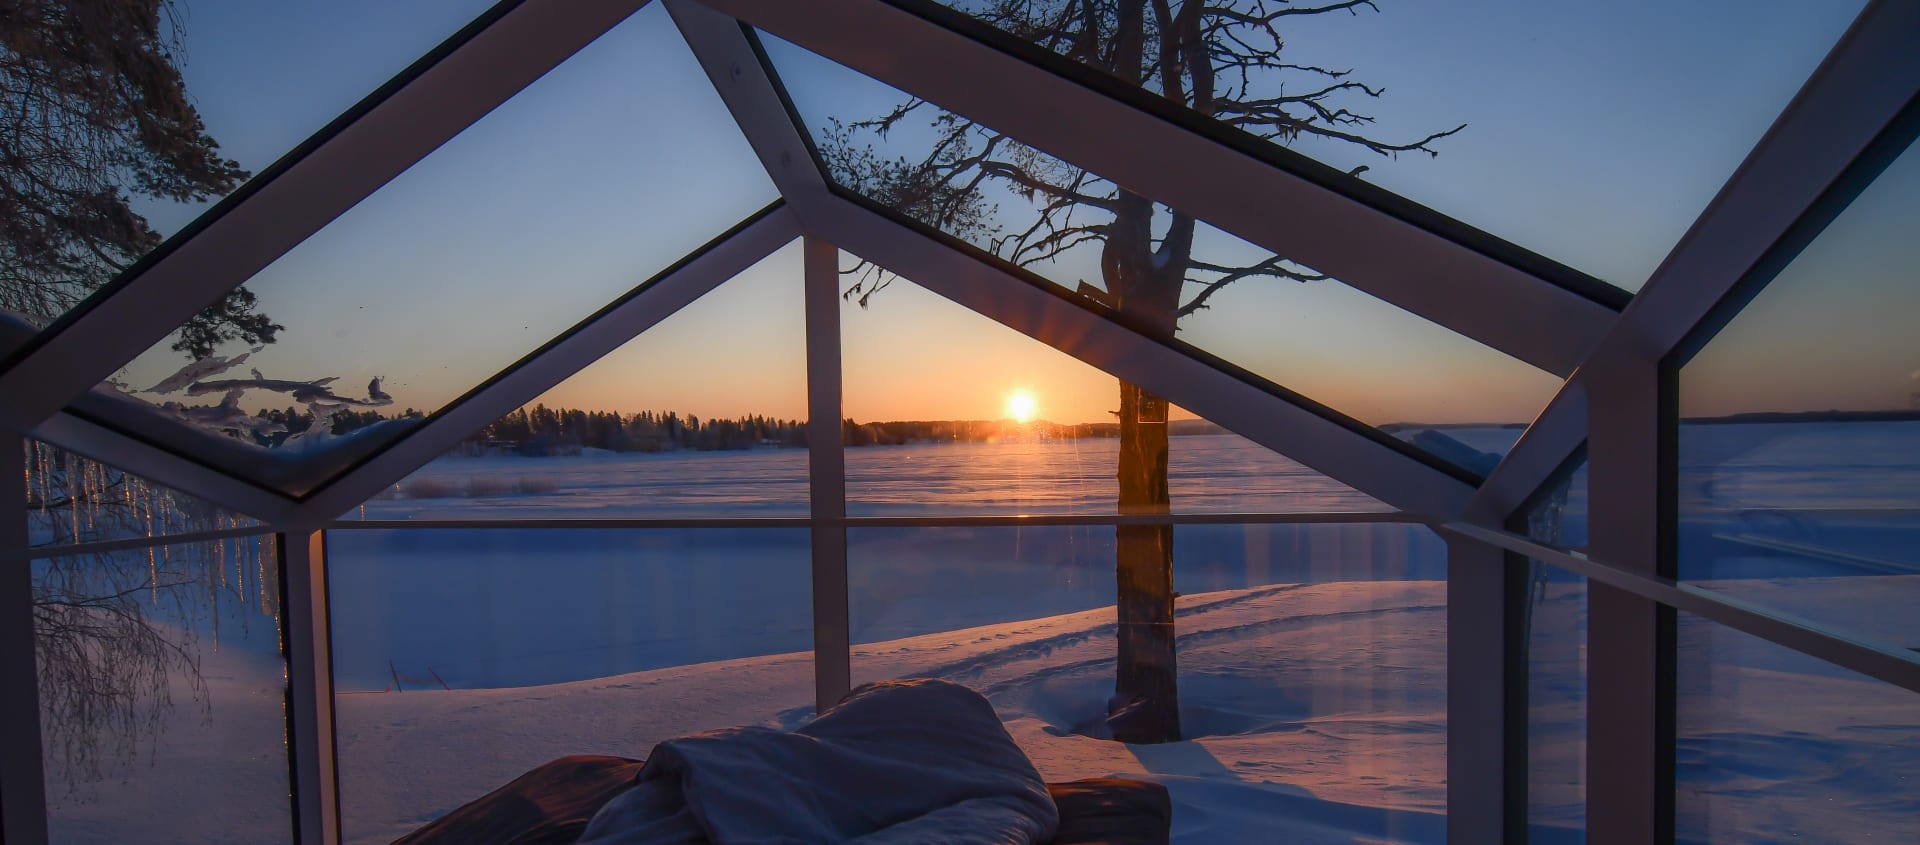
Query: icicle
[244,548]
[260,572]
[128,513]
[46,479]
[40,458]
[279,630]
[213,595]
[95,485]
[73,506]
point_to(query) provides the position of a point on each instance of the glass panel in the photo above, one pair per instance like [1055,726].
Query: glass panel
[1556,643]
[1311,334]
[463,658]
[516,229]
[1800,422]
[701,415]
[989,421]
[72,499]
[1310,662]
[1543,123]
[1779,747]
[162,688]
[205,94]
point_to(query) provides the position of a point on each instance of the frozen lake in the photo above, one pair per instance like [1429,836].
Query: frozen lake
[501,607]
[1311,654]
[509,607]
[1216,473]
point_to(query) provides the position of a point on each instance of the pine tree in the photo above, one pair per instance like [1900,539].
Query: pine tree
[93,113]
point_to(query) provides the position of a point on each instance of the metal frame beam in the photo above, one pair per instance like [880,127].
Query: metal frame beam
[1477,691]
[410,118]
[739,76]
[103,547]
[23,792]
[307,633]
[163,467]
[1869,77]
[1629,636]
[827,478]
[1397,479]
[1897,666]
[1534,458]
[586,343]
[1398,261]
[1856,93]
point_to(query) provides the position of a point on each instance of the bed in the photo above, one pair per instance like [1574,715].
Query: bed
[552,804]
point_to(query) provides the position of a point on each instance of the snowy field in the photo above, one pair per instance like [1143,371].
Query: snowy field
[1312,657]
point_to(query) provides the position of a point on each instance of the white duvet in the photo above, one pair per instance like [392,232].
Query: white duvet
[895,763]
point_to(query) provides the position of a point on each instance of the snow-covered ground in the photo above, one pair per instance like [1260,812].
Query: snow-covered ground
[214,776]
[1318,711]
[1312,657]
[1321,712]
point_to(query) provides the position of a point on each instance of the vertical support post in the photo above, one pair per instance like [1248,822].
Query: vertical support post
[1481,775]
[23,793]
[309,652]
[1629,638]
[827,476]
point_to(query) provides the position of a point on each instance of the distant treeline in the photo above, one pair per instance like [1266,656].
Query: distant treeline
[540,431]
[292,421]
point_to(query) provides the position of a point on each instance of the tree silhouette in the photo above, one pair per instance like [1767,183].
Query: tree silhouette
[1225,59]
[94,116]
[115,632]
[93,113]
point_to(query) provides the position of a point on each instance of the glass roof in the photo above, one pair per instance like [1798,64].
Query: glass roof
[1360,356]
[1797,473]
[1833,331]
[516,229]
[702,415]
[1593,134]
[988,421]
[529,220]
[260,78]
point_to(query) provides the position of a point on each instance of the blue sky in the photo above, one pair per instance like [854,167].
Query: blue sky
[1596,133]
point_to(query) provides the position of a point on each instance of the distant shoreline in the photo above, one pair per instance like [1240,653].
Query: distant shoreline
[1807,416]
[1745,417]
[738,434]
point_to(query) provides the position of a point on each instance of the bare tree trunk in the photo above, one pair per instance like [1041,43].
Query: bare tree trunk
[1146,702]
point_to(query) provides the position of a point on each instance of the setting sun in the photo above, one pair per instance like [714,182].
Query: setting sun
[1022,406]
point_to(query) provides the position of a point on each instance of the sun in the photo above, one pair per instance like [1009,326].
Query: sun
[1022,406]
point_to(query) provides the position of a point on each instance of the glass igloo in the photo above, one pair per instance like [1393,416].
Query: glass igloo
[1338,422]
